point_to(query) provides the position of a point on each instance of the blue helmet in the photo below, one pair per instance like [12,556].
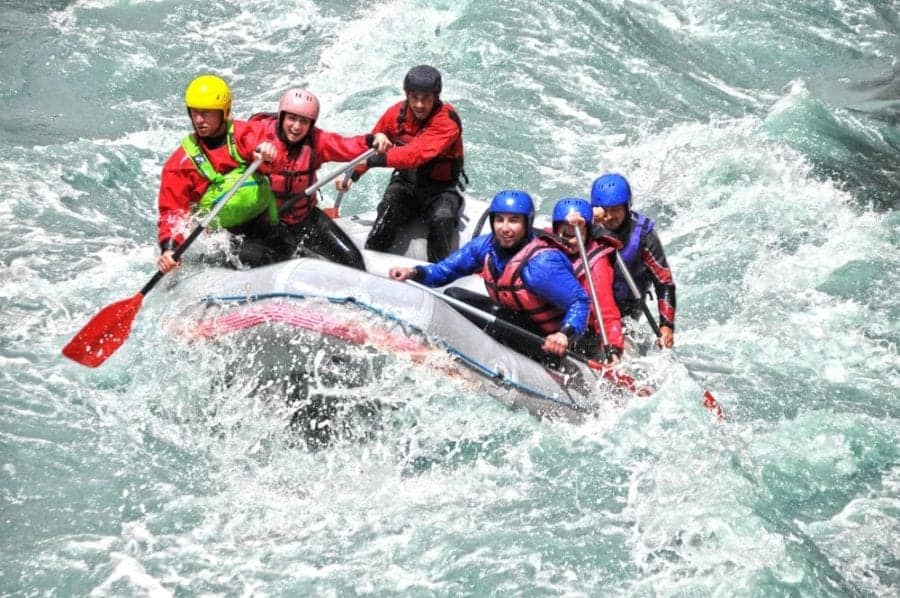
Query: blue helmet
[512,202]
[610,190]
[570,204]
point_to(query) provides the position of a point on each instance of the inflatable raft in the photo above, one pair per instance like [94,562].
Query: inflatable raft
[318,323]
[308,323]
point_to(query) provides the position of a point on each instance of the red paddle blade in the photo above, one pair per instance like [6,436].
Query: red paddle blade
[331,212]
[105,333]
[712,404]
[623,380]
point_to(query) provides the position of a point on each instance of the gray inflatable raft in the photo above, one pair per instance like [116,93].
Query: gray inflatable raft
[315,322]
[284,315]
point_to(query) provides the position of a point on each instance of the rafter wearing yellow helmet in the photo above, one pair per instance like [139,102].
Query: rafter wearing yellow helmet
[204,168]
[208,92]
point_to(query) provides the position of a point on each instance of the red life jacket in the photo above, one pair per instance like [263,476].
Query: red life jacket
[293,175]
[595,252]
[447,168]
[508,289]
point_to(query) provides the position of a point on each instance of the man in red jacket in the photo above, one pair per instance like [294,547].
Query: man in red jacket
[206,164]
[428,160]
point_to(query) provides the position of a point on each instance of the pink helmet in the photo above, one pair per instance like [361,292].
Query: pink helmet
[301,102]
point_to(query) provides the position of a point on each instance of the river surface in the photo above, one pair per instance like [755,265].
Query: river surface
[763,138]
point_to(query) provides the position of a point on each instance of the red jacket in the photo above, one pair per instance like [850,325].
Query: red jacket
[434,146]
[181,184]
[292,174]
[602,273]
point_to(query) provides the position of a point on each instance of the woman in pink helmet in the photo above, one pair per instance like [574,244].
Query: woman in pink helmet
[302,148]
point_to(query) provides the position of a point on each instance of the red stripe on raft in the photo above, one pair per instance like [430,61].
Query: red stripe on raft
[346,329]
[294,315]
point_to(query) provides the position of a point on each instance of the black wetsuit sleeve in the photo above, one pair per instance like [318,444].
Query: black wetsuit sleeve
[654,258]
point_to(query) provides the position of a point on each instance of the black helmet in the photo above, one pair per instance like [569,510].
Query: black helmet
[423,78]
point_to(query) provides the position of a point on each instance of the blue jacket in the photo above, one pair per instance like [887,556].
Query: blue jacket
[548,275]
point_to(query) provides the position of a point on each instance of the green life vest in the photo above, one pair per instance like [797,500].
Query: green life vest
[253,197]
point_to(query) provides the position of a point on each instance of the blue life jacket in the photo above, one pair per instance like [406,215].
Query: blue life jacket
[631,254]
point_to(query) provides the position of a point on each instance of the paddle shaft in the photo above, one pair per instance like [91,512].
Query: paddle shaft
[340,195]
[110,327]
[612,375]
[709,401]
[604,340]
[492,319]
[325,180]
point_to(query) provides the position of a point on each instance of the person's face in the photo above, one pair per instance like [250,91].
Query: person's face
[207,123]
[509,229]
[567,232]
[421,103]
[295,127]
[614,217]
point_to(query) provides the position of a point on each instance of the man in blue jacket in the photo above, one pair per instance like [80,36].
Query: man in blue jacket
[524,272]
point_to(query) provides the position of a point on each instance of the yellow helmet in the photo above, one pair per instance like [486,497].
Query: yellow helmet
[208,92]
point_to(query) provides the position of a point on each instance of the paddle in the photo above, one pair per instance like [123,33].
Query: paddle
[325,180]
[709,401]
[618,378]
[109,329]
[335,210]
[604,340]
